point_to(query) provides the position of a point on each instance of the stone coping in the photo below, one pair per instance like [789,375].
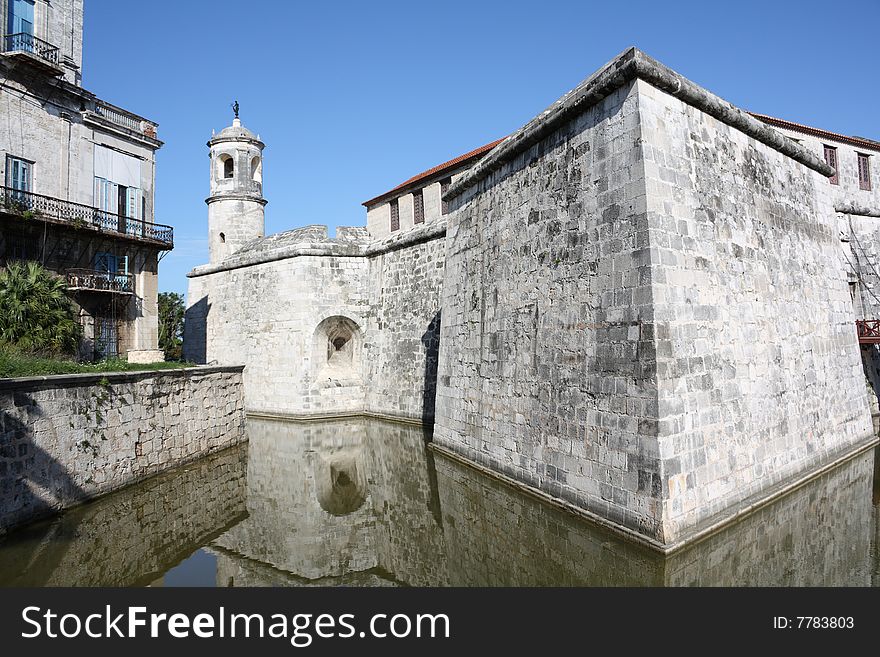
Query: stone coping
[89,378]
[629,65]
[330,248]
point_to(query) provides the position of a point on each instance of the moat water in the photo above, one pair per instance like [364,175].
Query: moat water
[365,503]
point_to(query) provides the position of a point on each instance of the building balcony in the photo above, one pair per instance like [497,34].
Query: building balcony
[116,119]
[868,331]
[34,207]
[90,280]
[36,53]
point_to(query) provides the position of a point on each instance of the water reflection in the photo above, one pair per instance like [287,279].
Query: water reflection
[133,537]
[363,503]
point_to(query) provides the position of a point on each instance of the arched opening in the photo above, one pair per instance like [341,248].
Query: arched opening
[337,349]
[227,166]
[257,170]
[340,348]
[223,238]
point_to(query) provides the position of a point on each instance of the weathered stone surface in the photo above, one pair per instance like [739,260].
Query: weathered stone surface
[646,313]
[67,439]
[386,293]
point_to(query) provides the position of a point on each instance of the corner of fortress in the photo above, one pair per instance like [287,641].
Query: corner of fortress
[640,306]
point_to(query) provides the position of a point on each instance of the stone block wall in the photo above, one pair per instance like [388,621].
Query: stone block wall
[267,316]
[547,362]
[68,439]
[758,370]
[646,310]
[405,329]
[283,312]
[819,535]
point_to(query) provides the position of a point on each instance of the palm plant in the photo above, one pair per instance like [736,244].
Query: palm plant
[35,313]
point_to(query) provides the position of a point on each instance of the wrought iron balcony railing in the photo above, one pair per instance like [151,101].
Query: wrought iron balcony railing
[868,331]
[24,42]
[99,281]
[34,206]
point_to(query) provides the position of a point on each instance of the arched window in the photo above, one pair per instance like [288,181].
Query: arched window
[257,170]
[228,167]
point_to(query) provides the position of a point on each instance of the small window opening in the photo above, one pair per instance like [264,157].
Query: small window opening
[444,187]
[831,160]
[395,215]
[418,207]
[223,238]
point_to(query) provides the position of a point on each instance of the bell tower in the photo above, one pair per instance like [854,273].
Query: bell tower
[236,204]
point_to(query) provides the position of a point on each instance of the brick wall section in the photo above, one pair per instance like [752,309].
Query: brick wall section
[405,329]
[758,371]
[133,536]
[67,439]
[546,351]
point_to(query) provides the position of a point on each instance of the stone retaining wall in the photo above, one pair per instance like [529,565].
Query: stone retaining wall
[67,439]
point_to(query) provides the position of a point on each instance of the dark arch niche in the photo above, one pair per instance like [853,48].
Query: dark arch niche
[341,482]
[337,350]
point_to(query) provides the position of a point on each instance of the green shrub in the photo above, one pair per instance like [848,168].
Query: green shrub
[36,316]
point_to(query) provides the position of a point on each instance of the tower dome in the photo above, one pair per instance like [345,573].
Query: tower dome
[236,204]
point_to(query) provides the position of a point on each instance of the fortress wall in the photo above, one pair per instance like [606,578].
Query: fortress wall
[404,329]
[269,317]
[758,369]
[547,369]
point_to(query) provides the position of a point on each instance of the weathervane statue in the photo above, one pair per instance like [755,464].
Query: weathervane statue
[235,108]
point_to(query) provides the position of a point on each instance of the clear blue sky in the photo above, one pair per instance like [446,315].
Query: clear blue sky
[352,98]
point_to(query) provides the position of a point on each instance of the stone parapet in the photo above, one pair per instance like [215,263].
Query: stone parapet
[67,439]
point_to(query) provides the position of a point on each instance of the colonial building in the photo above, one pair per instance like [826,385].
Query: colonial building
[642,305]
[78,181]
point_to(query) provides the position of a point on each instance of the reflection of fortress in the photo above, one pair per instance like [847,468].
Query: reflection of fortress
[490,535]
[347,502]
[360,503]
[642,303]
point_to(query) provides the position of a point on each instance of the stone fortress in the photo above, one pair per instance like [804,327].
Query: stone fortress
[641,305]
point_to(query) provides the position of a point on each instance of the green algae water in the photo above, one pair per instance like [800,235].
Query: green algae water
[363,502]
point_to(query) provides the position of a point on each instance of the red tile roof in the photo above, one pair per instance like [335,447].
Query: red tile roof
[859,142]
[440,168]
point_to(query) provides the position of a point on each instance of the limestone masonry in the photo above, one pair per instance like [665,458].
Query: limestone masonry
[643,303]
[68,439]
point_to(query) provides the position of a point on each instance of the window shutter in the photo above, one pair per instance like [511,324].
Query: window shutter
[418,207]
[831,160]
[395,215]
[864,172]
[444,187]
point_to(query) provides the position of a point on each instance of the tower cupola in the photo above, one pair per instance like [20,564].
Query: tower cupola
[236,205]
